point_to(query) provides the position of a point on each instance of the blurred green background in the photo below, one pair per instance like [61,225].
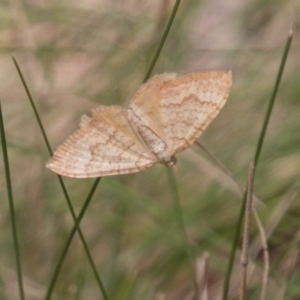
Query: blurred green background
[76,55]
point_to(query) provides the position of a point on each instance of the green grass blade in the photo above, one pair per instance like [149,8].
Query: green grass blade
[182,228]
[11,206]
[233,250]
[162,41]
[172,181]
[69,240]
[257,154]
[86,249]
[33,106]
[272,99]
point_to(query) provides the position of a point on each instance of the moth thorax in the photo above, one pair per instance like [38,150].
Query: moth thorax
[151,139]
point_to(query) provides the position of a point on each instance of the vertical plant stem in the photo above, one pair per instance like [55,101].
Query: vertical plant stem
[256,159]
[69,240]
[85,246]
[272,99]
[233,250]
[11,206]
[182,228]
[162,41]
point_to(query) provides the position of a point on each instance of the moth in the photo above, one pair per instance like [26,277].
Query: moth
[165,116]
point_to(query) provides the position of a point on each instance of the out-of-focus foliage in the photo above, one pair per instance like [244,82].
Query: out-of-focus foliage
[76,55]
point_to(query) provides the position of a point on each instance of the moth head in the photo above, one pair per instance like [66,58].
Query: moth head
[171,162]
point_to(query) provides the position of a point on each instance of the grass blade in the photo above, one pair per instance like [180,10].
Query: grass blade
[272,99]
[69,240]
[86,249]
[162,41]
[257,154]
[172,181]
[11,206]
[182,228]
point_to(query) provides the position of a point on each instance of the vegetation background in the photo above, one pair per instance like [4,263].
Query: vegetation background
[76,55]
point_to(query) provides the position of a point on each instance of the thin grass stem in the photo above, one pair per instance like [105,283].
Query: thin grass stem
[11,206]
[262,233]
[272,99]
[173,185]
[69,240]
[182,228]
[86,249]
[256,158]
[225,170]
[162,41]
